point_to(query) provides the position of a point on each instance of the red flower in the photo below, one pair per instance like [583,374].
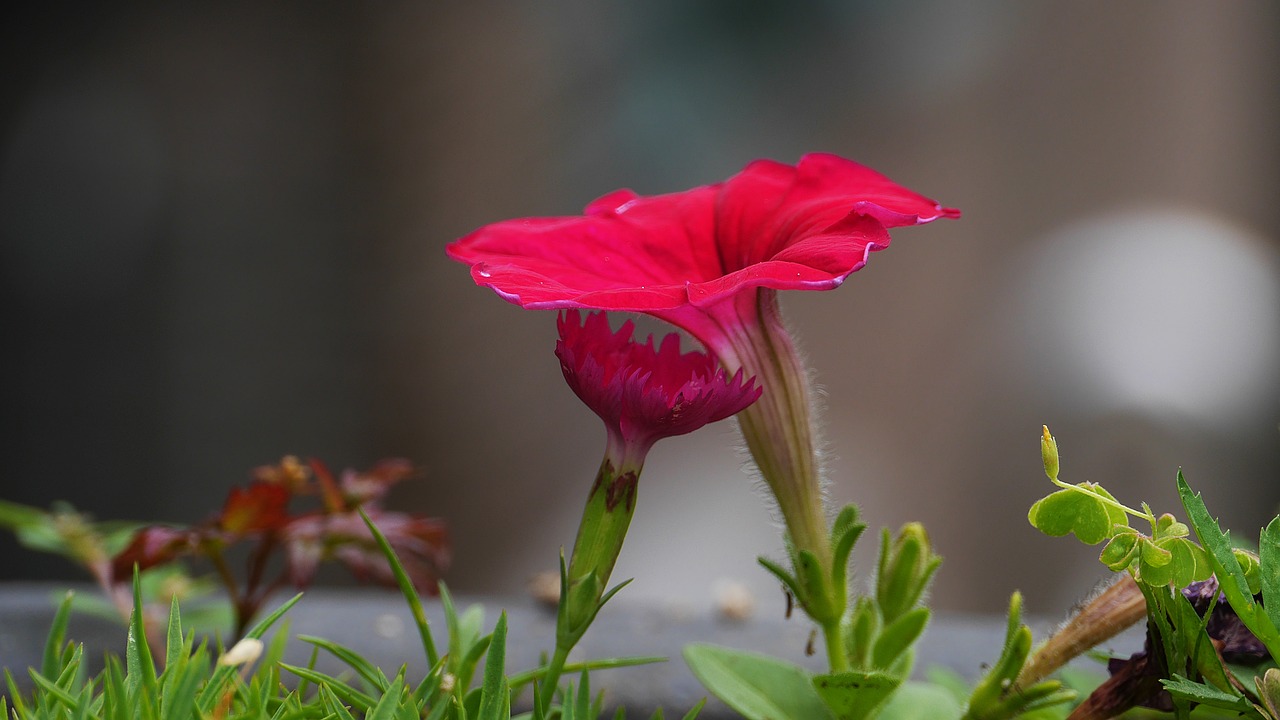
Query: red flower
[645,394]
[711,261]
[771,226]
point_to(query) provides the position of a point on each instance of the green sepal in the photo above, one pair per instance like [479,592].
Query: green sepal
[898,637]
[788,582]
[1082,510]
[816,599]
[845,532]
[864,627]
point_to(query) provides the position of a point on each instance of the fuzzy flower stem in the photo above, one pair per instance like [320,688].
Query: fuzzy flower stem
[777,427]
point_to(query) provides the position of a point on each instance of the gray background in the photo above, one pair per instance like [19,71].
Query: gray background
[222,230]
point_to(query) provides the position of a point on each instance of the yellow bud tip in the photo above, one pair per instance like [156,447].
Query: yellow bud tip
[1049,453]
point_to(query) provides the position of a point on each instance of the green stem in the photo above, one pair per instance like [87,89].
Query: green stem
[837,659]
[551,678]
[1148,515]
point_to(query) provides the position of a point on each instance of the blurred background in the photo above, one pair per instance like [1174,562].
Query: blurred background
[222,230]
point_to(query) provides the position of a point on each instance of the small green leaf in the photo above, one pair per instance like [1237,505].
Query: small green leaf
[1167,526]
[1120,552]
[1190,563]
[1152,555]
[1082,512]
[1251,566]
[855,695]
[757,686]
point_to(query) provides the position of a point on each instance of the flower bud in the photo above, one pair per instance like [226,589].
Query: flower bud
[906,566]
[244,652]
[1049,453]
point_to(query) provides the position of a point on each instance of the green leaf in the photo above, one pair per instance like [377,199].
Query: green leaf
[757,686]
[1232,578]
[1190,563]
[1216,543]
[856,694]
[1118,554]
[1195,692]
[921,701]
[1167,526]
[1269,569]
[1081,511]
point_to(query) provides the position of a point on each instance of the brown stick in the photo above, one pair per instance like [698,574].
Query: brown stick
[1107,615]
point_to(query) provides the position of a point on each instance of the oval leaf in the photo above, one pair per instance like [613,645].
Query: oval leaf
[758,686]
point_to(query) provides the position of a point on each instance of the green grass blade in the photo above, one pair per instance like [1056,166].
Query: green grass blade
[348,694]
[140,668]
[495,691]
[57,638]
[406,589]
[336,708]
[20,708]
[386,707]
[179,699]
[520,679]
[353,659]
[175,645]
[211,692]
[51,689]
[695,710]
